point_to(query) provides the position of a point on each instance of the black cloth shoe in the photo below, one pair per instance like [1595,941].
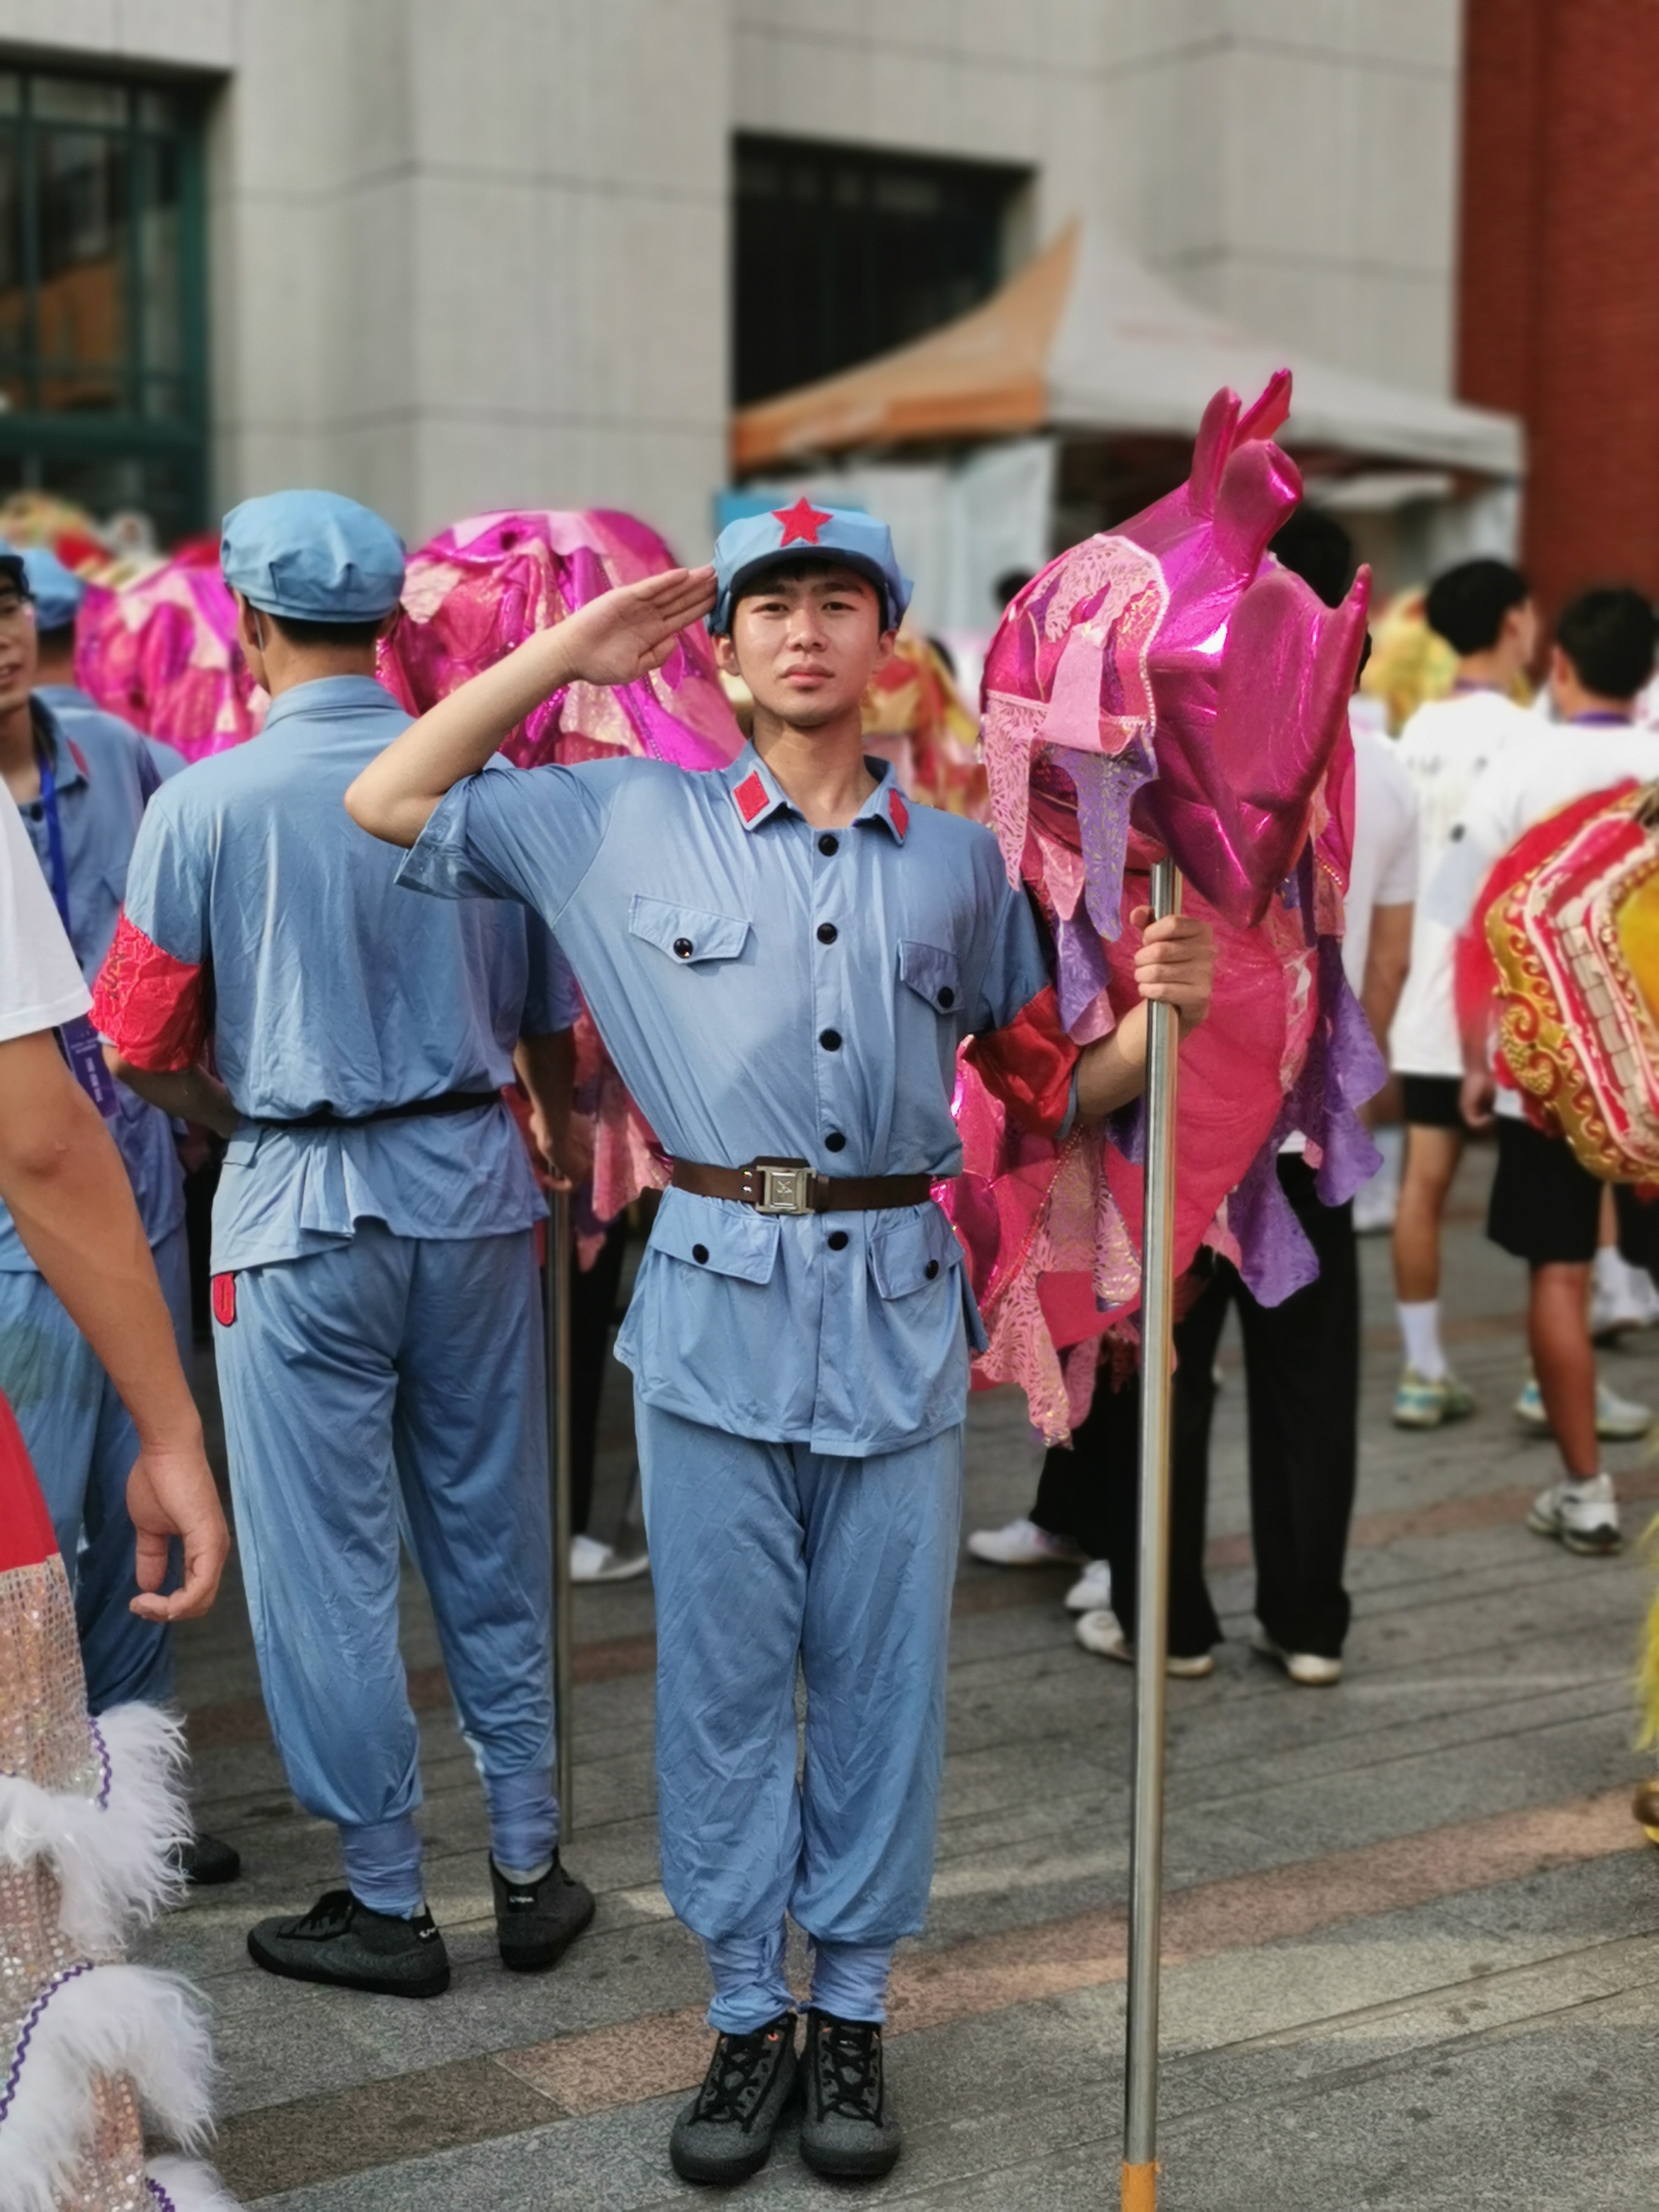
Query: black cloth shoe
[204,1862]
[846,2129]
[536,1922]
[341,1942]
[725,2134]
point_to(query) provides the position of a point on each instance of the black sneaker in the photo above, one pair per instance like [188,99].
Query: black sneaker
[341,1942]
[725,2134]
[846,2129]
[536,1922]
[204,1862]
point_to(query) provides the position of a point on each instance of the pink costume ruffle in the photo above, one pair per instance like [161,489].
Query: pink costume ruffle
[161,653]
[1165,687]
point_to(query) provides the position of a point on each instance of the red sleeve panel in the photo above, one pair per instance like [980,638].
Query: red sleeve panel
[152,1007]
[1029,1064]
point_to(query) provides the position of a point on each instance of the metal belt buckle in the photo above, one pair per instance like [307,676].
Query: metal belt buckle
[786,1186]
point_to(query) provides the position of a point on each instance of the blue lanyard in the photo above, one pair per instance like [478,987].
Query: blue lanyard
[54,845]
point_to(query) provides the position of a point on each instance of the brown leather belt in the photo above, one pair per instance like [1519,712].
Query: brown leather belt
[795,1187]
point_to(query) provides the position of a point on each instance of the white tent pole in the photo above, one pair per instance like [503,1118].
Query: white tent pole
[555,1311]
[1151,1636]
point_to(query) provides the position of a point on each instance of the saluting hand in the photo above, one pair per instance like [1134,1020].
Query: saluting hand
[624,634]
[1175,964]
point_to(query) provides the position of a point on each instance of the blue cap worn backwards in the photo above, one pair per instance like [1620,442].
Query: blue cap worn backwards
[806,532]
[313,555]
[56,591]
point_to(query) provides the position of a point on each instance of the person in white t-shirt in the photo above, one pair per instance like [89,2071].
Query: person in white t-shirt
[1484,610]
[72,1203]
[1546,1207]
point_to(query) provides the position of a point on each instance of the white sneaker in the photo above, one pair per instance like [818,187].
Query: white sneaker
[1583,1515]
[591,1561]
[1310,1668]
[1612,1317]
[1092,1590]
[1023,1544]
[1618,1421]
[1099,1632]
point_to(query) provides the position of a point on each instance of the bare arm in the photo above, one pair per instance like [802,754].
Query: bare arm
[68,1195]
[1175,964]
[614,639]
[1388,956]
[190,1095]
[547,1069]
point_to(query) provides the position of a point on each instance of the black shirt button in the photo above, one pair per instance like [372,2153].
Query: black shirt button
[683,948]
[827,844]
[947,997]
[931,1269]
[837,1239]
[699,1254]
[827,932]
[835,1142]
[830,1039]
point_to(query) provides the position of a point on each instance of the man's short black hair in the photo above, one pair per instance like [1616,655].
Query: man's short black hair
[766,575]
[1467,605]
[60,638]
[1609,635]
[1316,548]
[303,631]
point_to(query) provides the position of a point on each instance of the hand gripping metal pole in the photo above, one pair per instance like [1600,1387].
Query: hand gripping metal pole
[555,1313]
[1152,1599]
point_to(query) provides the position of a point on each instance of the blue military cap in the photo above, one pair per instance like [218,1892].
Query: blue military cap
[313,555]
[806,532]
[56,591]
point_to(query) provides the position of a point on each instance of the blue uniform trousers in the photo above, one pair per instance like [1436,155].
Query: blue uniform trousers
[765,1557]
[393,1370]
[83,1444]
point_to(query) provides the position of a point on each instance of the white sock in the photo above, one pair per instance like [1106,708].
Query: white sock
[1420,1327]
[1611,1278]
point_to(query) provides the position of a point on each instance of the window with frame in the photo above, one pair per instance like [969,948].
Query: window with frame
[102,370]
[841,253]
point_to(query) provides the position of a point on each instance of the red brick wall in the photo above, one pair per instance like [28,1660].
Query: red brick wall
[1558,272]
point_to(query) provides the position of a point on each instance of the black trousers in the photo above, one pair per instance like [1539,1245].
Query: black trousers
[592,1310]
[1302,1373]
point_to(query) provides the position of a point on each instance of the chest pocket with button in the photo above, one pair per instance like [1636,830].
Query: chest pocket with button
[687,934]
[917,1249]
[932,974]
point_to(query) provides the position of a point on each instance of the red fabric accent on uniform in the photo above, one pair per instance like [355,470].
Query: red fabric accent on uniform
[898,813]
[79,758]
[1027,1064]
[26,1534]
[153,1007]
[224,1300]
[750,795]
[801,523]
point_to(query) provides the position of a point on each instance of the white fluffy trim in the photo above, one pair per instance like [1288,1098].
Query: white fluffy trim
[112,1854]
[183,2186]
[101,2019]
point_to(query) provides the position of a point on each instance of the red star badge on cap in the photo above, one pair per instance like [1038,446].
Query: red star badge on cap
[801,523]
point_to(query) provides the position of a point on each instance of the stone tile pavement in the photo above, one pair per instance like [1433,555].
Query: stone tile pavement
[1413,1932]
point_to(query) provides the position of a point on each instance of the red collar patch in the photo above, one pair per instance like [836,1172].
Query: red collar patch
[79,758]
[750,795]
[801,523]
[897,812]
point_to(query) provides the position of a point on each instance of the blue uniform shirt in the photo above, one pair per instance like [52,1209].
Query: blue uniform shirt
[767,988]
[330,988]
[102,785]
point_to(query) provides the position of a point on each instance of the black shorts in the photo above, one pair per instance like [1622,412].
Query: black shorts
[1545,1208]
[1639,1229]
[1431,1102]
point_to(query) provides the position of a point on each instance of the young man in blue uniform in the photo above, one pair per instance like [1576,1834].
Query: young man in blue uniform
[782,958]
[375,1305]
[80,785]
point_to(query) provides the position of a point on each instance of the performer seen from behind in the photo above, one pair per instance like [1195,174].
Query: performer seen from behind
[782,958]
[375,1312]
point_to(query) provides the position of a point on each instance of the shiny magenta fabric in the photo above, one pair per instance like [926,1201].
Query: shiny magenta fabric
[161,653]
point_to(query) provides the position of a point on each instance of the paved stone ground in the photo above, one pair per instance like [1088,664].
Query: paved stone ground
[1413,1933]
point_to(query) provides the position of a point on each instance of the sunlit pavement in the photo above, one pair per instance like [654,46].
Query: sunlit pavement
[1412,1934]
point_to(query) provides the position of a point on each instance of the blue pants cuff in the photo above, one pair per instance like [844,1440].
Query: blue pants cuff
[749,1989]
[383,1866]
[523,1819]
[850,1979]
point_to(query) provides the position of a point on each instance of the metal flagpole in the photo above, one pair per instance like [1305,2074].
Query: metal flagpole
[556,1312]
[1152,1590]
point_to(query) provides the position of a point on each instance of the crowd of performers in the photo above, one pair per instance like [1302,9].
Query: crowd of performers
[500,896]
